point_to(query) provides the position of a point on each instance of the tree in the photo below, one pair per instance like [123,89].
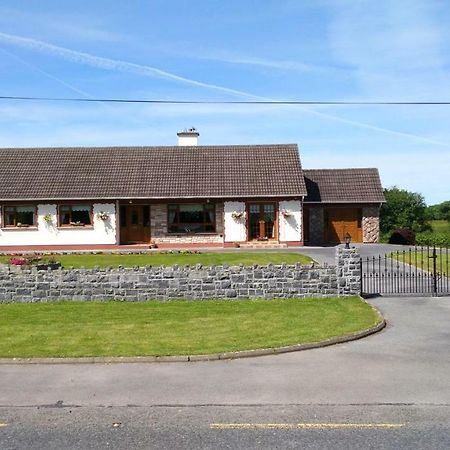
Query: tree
[441,211]
[403,209]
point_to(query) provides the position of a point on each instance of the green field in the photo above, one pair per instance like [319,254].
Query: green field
[75,329]
[440,226]
[423,261]
[88,260]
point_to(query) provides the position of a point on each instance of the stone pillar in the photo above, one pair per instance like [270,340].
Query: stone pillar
[371,224]
[158,220]
[348,271]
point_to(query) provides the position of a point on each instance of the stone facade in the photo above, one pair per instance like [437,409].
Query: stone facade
[316,225]
[371,224]
[21,284]
[159,234]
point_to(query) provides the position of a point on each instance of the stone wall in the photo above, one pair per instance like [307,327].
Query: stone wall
[21,284]
[371,224]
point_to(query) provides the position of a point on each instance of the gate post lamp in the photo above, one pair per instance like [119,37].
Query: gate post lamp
[347,240]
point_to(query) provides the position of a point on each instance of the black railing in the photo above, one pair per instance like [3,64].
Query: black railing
[417,270]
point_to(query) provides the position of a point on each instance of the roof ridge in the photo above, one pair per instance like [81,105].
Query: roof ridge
[144,147]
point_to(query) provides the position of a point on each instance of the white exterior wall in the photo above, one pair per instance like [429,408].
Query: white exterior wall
[235,230]
[291,226]
[102,232]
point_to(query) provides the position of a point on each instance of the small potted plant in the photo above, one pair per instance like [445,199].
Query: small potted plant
[77,224]
[22,225]
[236,215]
[48,218]
[103,215]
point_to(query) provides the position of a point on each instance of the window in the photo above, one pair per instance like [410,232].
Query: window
[19,216]
[191,218]
[75,215]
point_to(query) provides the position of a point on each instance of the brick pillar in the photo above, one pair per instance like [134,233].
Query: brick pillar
[348,271]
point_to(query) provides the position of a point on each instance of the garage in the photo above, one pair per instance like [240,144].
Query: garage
[342,220]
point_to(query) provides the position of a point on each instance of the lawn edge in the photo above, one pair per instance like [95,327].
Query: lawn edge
[210,357]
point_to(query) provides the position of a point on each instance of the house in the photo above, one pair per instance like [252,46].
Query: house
[180,196]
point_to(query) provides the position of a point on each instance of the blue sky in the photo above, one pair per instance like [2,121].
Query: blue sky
[237,50]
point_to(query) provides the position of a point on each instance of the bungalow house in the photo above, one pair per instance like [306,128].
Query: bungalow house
[185,195]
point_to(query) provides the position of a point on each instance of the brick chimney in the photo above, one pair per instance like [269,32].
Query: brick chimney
[188,137]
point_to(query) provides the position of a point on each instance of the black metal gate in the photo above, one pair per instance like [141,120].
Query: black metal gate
[418,270]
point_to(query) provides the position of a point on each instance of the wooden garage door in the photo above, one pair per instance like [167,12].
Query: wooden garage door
[339,221]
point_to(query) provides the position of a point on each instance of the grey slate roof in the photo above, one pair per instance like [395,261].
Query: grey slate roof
[343,186]
[151,172]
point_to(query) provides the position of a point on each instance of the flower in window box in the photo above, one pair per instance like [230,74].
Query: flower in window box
[236,215]
[286,212]
[103,215]
[77,224]
[22,225]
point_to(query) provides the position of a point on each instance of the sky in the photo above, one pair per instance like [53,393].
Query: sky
[234,50]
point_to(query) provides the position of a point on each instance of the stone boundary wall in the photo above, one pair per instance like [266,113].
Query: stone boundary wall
[18,284]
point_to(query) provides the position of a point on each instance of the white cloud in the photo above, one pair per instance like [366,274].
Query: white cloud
[397,48]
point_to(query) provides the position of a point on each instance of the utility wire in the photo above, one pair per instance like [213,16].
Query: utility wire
[215,102]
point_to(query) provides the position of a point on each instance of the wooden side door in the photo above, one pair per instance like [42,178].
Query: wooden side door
[135,224]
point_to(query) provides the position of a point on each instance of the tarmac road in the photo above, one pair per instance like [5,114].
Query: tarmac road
[389,390]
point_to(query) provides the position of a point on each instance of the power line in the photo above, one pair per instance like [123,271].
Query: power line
[219,102]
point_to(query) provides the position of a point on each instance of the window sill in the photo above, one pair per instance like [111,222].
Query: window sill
[208,233]
[19,228]
[75,227]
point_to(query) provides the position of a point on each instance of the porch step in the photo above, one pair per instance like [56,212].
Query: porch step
[262,244]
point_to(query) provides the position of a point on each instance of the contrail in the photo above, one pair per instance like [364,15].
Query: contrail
[47,74]
[149,71]
[110,64]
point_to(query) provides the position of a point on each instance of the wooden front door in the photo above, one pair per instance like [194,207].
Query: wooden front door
[135,224]
[262,221]
[339,221]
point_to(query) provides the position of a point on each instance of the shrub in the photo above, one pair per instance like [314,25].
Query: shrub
[403,236]
[19,261]
[430,239]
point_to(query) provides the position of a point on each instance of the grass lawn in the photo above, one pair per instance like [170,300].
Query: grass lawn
[168,259]
[71,329]
[425,263]
[440,226]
